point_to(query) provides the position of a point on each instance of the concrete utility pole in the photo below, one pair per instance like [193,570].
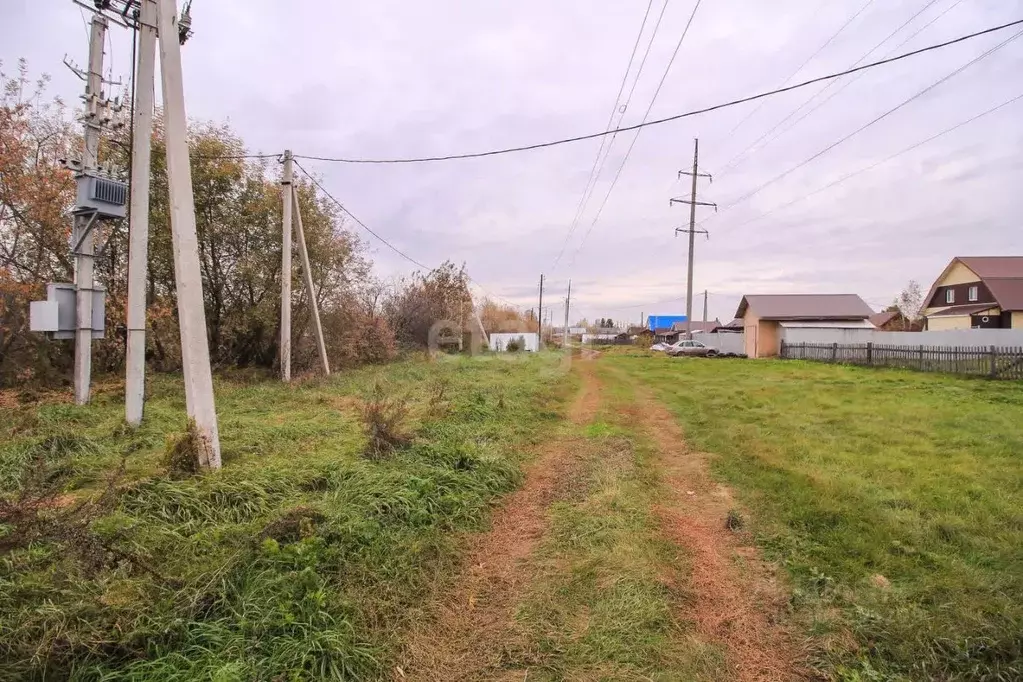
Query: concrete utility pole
[693,203]
[705,310]
[195,350]
[286,229]
[138,232]
[539,312]
[307,273]
[84,237]
[568,305]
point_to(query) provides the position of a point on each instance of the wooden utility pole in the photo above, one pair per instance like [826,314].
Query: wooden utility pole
[693,203]
[195,350]
[307,273]
[568,305]
[539,312]
[286,232]
[138,231]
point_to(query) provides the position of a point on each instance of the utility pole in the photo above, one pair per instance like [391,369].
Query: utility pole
[84,236]
[195,350]
[568,305]
[705,310]
[539,312]
[138,232]
[693,203]
[286,229]
[307,273]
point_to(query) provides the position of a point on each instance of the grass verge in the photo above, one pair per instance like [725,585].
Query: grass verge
[893,498]
[301,559]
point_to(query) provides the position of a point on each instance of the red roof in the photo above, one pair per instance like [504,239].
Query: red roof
[805,307]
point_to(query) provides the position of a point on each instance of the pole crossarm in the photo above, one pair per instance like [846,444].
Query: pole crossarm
[694,203]
[699,175]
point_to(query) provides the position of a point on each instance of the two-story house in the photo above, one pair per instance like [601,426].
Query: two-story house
[977,292]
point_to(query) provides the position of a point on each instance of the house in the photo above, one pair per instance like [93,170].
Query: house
[894,321]
[735,326]
[977,291]
[655,322]
[766,317]
[697,326]
[665,335]
[641,335]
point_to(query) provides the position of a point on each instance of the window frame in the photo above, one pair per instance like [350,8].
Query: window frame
[973,293]
[950,296]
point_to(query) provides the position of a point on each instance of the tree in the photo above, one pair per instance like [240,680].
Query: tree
[910,303]
[609,322]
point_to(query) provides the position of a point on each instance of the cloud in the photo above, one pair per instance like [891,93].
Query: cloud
[391,78]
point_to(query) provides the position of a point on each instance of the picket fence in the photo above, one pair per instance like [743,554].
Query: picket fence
[1000,362]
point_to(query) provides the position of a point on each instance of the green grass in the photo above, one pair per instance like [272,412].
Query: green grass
[300,559]
[607,590]
[851,473]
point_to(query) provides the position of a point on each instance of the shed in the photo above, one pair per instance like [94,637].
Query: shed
[527,341]
[765,317]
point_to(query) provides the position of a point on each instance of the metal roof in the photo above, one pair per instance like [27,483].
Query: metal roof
[1003,276]
[963,310]
[826,324]
[805,307]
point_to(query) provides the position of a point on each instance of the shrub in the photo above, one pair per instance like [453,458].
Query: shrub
[384,420]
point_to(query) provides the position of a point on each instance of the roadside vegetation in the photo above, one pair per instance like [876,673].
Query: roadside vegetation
[341,506]
[893,499]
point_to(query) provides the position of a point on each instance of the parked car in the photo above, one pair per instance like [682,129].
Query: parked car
[660,347]
[691,349]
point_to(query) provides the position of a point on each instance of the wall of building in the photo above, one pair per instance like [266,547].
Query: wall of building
[947,322]
[1017,320]
[726,342]
[946,337]
[959,274]
[750,325]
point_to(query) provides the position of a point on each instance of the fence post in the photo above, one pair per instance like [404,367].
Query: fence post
[870,352]
[834,352]
[921,357]
[783,355]
[994,364]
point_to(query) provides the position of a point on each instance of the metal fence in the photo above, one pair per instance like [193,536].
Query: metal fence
[1000,362]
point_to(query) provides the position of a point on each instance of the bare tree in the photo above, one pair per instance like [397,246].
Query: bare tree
[910,302]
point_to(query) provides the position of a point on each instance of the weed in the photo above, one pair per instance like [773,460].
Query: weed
[383,419]
[734,520]
[182,456]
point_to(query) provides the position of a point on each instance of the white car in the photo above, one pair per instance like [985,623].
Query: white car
[660,347]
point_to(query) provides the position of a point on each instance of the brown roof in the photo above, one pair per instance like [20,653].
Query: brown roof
[883,318]
[963,310]
[805,307]
[994,266]
[1003,276]
[698,325]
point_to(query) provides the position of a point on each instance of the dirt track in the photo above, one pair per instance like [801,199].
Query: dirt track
[736,601]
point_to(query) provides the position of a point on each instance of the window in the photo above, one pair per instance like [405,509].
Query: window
[950,296]
[973,293]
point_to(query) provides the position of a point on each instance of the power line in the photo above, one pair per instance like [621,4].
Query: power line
[803,65]
[384,241]
[878,163]
[733,161]
[587,191]
[930,87]
[639,130]
[667,119]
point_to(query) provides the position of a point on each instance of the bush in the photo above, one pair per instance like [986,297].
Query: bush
[384,419]
[515,345]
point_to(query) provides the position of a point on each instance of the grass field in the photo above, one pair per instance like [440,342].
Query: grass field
[894,499]
[300,559]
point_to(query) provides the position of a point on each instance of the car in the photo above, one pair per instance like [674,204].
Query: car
[687,348]
[660,347]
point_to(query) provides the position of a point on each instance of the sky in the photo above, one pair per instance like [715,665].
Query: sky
[396,79]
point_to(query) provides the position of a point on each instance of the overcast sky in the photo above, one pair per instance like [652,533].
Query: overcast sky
[395,79]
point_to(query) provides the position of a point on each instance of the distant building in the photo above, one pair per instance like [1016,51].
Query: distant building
[977,292]
[655,322]
[766,317]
